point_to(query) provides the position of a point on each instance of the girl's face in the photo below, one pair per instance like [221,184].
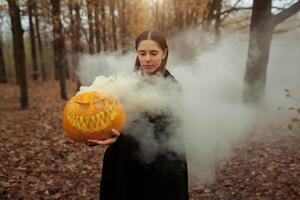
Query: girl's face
[150,56]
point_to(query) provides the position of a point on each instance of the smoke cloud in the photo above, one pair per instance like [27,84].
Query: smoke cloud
[211,81]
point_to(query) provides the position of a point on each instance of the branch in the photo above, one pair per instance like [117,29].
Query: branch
[235,5]
[286,13]
[280,31]
[278,8]
[235,9]
[227,12]
[236,22]
[246,8]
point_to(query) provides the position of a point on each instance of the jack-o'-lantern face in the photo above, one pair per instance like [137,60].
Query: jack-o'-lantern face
[92,115]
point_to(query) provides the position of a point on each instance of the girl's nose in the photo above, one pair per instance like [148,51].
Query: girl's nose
[148,58]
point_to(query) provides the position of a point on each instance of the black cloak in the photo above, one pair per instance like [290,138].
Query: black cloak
[127,177]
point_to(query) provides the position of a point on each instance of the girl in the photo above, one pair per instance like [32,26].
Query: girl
[125,176]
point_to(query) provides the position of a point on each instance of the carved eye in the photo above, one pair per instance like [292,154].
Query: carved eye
[84,106]
[99,104]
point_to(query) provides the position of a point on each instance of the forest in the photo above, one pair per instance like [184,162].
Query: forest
[237,62]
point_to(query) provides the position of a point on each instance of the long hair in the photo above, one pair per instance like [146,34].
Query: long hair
[159,39]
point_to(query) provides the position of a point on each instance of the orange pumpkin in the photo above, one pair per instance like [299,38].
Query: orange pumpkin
[92,115]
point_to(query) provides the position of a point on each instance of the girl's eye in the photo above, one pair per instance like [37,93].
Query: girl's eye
[153,54]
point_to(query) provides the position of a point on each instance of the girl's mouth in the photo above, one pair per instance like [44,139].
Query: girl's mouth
[148,66]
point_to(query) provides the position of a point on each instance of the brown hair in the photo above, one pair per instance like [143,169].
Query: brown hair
[157,37]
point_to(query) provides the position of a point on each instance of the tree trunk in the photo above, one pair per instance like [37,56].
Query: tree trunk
[19,51]
[263,23]
[97,27]
[217,17]
[3,77]
[178,14]
[123,29]
[113,24]
[209,15]
[103,21]
[32,41]
[163,18]
[90,8]
[156,15]
[58,46]
[40,44]
[72,24]
[258,54]
[65,57]
[72,33]
[213,14]
[78,48]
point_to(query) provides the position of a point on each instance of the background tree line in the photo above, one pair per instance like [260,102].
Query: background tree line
[47,36]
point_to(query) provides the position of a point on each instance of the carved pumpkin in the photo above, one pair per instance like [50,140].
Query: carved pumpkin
[92,115]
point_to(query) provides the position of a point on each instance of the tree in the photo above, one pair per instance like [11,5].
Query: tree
[72,35]
[173,15]
[40,44]
[90,7]
[78,27]
[123,28]
[75,33]
[97,27]
[19,52]
[263,23]
[113,23]
[30,4]
[178,14]
[103,21]
[3,78]
[136,21]
[58,46]
[213,13]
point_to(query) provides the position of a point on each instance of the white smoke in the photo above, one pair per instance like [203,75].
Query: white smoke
[140,95]
[92,66]
[211,81]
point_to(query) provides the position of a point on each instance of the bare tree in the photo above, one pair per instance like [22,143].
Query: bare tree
[90,7]
[122,20]
[19,52]
[263,23]
[213,14]
[97,27]
[178,14]
[103,26]
[78,27]
[58,46]
[3,77]
[113,23]
[40,44]
[75,26]
[72,32]
[218,8]
[30,4]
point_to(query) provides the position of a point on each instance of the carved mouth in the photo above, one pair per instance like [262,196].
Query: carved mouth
[95,122]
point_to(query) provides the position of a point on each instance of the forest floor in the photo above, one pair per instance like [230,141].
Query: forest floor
[38,162]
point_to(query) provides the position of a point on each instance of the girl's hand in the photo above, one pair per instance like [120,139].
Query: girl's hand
[108,141]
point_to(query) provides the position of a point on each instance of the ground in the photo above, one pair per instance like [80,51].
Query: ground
[37,161]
